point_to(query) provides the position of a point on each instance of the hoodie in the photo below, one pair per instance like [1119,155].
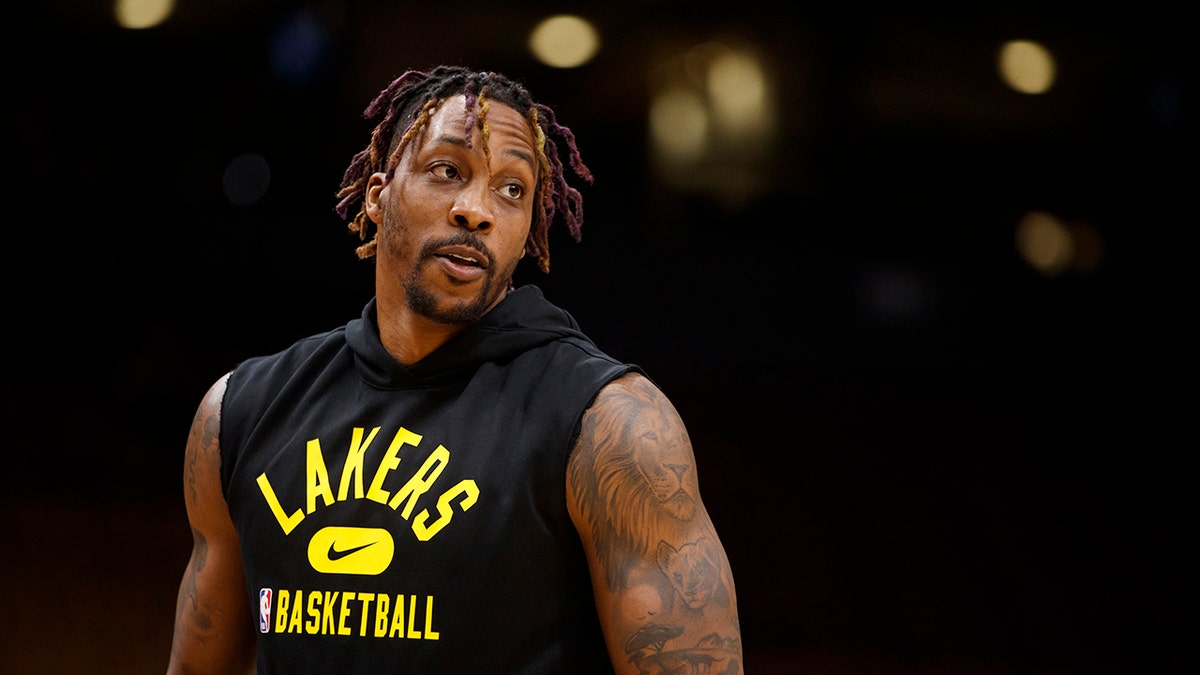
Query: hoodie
[413,518]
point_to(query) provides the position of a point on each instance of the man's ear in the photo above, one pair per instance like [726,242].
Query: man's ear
[374,198]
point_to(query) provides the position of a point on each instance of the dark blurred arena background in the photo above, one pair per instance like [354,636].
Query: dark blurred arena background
[932,327]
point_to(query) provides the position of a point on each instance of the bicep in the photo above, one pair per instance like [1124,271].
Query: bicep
[660,575]
[212,618]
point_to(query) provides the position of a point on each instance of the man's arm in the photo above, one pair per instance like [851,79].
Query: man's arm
[212,618]
[663,587]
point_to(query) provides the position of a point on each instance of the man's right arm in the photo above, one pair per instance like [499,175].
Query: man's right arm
[212,618]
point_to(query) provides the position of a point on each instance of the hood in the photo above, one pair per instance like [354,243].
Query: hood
[524,319]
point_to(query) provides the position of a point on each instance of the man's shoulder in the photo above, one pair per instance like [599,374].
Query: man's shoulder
[302,348]
[317,352]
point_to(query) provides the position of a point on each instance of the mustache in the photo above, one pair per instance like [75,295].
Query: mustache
[465,238]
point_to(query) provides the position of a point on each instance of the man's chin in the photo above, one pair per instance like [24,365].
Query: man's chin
[450,309]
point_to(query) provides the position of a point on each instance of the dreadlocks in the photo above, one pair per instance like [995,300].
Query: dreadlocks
[402,110]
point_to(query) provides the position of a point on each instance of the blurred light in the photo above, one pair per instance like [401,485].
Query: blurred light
[564,41]
[299,46]
[138,14]
[678,125]
[894,294]
[1026,66]
[246,179]
[1089,247]
[1044,242]
[1167,103]
[712,122]
[737,89]
[1051,245]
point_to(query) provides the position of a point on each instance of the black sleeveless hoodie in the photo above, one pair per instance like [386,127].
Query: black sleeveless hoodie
[413,519]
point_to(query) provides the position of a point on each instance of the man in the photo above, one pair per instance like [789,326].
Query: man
[458,481]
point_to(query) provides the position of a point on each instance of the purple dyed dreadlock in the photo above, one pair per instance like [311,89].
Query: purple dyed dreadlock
[403,108]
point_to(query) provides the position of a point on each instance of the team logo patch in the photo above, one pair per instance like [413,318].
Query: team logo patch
[351,550]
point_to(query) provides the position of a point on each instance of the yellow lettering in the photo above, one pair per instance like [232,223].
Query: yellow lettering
[288,523]
[381,616]
[397,629]
[283,599]
[327,625]
[318,477]
[333,613]
[430,634]
[353,466]
[366,599]
[297,612]
[412,618]
[465,488]
[421,481]
[313,626]
[345,612]
[391,460]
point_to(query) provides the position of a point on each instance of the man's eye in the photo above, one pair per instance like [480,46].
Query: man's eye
[445,171]
[513,191]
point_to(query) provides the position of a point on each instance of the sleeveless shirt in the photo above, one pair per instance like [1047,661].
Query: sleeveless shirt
[412,519]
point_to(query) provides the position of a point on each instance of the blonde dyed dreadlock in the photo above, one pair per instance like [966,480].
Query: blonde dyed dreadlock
[403,109]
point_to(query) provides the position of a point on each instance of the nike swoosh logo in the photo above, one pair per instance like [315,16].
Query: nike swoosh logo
[343,550]
[336,554]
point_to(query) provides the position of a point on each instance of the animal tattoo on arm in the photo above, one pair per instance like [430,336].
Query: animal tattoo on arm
[633,480]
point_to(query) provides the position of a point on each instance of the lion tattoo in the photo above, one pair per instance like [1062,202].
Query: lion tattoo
[692,570]
[644,480]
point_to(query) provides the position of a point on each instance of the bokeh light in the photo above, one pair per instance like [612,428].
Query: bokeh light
[246,179]
[139,14]
[564,41]
[1026,66]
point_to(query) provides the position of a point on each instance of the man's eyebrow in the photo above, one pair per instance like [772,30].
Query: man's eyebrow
[523,156]
[511,152]
[452,140]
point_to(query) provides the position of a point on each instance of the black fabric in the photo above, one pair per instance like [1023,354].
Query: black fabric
[438,486]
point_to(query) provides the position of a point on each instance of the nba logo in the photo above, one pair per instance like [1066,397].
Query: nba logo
[264,610]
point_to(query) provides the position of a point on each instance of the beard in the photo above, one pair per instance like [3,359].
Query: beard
[424,302]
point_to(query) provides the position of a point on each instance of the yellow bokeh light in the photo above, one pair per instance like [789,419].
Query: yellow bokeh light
[679,124]
[1026,66]
[140,14]
[737,88]
[564,41]
[1044,242]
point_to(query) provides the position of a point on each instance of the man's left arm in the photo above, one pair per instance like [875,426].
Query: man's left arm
[663,586]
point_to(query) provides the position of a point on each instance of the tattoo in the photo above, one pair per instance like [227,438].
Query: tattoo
[202,437]
[200,550]
[204,434]
[691,569]
[193,458]
[632,480]
[711,654]
[199,559]
[212,431]
[634,458]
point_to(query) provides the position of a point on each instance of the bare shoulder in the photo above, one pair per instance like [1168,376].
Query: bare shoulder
[203,452]
[212,618]
[632,408]
[663,586]
[634,454]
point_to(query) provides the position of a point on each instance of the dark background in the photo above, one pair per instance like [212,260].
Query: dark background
[994,482]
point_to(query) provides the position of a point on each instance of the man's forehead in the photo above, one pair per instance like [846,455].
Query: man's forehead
[449,118]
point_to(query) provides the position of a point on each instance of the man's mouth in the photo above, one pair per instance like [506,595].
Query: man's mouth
[464,256]
[461,260]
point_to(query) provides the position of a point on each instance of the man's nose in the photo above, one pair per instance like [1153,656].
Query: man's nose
[472,207]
